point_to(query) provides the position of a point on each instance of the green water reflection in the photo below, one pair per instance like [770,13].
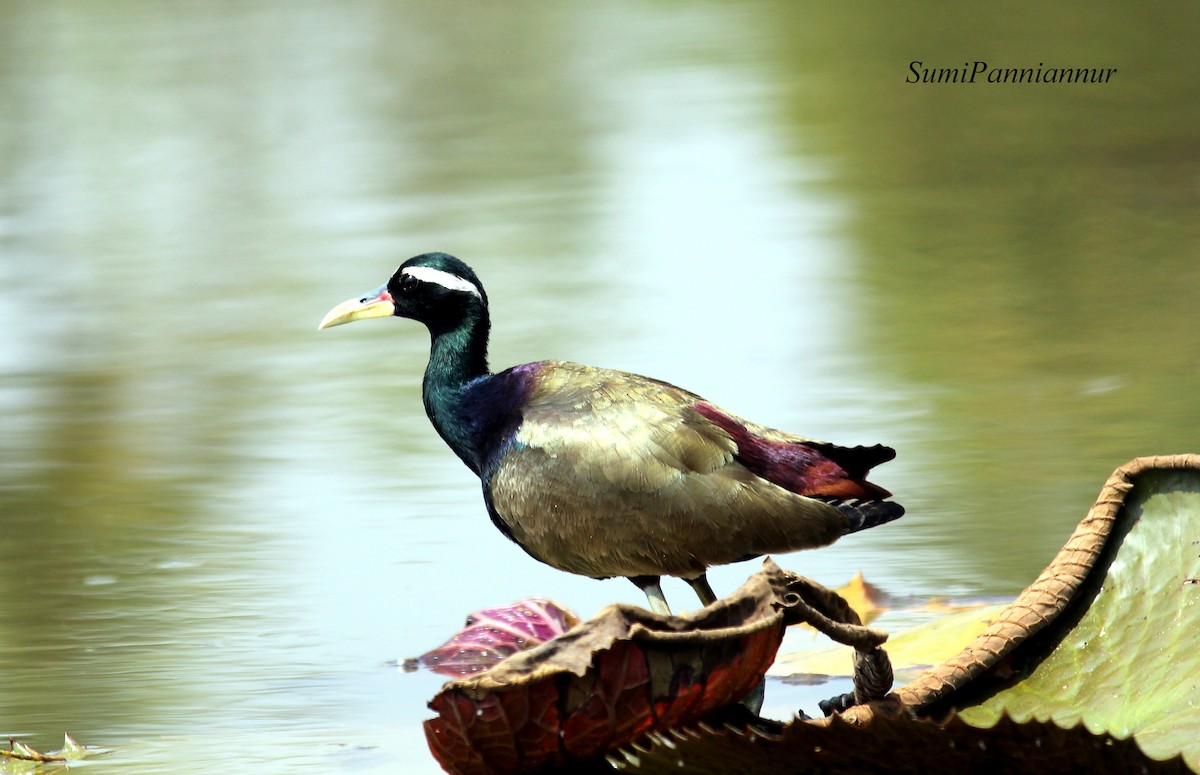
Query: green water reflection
[220,525]
[1033,251]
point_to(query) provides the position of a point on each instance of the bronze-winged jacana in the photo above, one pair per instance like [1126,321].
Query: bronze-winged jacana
[604,473]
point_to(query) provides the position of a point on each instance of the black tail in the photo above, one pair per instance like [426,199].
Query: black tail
[865,514]
[856,461]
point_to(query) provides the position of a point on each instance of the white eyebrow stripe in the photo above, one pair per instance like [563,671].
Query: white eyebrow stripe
[449,281]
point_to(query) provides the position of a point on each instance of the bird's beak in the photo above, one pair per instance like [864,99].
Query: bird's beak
[376,304]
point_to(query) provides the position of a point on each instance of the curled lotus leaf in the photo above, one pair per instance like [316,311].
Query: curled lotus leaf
[494,634]
[628,672]
[1108,636]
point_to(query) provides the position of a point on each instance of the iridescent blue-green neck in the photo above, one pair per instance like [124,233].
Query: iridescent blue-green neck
[457,356]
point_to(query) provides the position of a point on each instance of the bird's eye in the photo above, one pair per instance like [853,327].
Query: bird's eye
[408,283]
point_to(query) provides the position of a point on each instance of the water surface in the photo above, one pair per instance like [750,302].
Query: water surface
[221,527]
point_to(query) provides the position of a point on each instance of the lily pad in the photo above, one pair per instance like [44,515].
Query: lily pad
[1108,637]
[1126,659]
[628,673]
[494,634]
[892,742]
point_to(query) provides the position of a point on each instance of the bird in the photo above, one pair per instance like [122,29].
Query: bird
[605,473]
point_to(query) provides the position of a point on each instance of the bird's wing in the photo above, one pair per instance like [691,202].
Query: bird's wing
[630,432]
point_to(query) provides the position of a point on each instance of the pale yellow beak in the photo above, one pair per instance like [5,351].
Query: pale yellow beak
[376,304]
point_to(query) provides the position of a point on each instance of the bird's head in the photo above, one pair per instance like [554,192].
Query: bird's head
[434,288]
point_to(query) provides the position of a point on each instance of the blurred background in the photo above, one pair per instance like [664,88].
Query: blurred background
[220,529]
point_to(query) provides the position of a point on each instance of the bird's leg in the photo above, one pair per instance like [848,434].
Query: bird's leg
[703,590]
[654,594]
